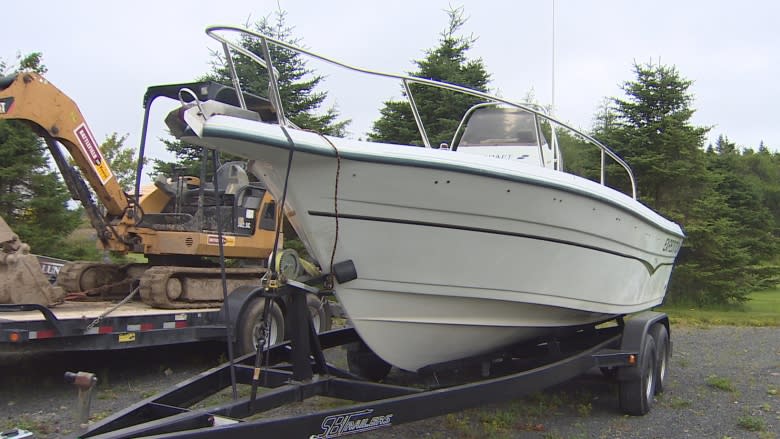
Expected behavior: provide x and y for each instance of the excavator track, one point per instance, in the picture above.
(192, 287)
(84, 276)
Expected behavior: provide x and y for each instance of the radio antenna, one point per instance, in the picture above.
(552, 104)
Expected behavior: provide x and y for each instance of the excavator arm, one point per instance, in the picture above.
(30, 97)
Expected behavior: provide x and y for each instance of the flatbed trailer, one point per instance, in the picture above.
(104, 325)
(78, 326)
(634, 351)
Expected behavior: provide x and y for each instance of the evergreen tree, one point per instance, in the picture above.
(440, 110)
(188, 160)
(297, 83)
(651, 130)
(762, 171)
(122, 160)
(737, 229)
(33, 198)
(297, 86)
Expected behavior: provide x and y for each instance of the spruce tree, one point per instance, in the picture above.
(297, 83)
(33, 198)
(651, 129)
(440, 110)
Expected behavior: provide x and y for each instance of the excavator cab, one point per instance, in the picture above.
(234, 200)
(241, 209)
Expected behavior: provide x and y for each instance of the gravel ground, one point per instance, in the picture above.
(723, 383)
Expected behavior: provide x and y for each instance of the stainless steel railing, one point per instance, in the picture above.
(219, 33)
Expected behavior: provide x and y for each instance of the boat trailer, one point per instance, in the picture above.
(634, 350)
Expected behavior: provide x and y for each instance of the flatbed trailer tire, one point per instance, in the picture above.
(320, 312)
(636, 395)
(248, 328)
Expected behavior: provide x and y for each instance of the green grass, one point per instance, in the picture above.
(720, 383)
(763, 309)
(751, 423)
(676, 402)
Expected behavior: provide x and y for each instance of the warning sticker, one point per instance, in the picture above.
(127, 337)
(226, 240)
(92, 152)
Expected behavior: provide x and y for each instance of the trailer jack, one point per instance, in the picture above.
(85, 382)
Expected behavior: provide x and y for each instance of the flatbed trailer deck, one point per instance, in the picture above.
(78, 326)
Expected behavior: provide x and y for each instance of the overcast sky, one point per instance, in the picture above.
(104, 54)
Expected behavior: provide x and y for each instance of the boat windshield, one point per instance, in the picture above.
(499, 127)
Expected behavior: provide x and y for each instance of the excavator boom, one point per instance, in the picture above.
(30, 97)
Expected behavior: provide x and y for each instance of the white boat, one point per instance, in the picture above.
(457, 251)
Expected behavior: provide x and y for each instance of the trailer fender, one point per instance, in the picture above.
(234, 306)
(634, 333)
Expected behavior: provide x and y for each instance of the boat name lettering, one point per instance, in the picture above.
(671, 245)
(351, 423)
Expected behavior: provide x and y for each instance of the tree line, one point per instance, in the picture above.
(726, 197)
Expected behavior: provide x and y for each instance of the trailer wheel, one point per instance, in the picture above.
(662, 355)
(320, 315)
(636, 395)
(320, 312)
(249, 326)
(362, 361)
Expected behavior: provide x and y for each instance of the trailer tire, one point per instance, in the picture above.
(249, 325)
(320, 312)
(362, 361)
(636, 395)
(320, 315)
(662, 355)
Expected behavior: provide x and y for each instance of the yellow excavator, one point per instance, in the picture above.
(176, 223)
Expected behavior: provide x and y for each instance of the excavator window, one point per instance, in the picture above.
(268, 221)
(231, 177)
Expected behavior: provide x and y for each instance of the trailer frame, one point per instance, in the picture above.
(296, 370)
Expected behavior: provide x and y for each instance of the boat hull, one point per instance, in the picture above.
(458, 255)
